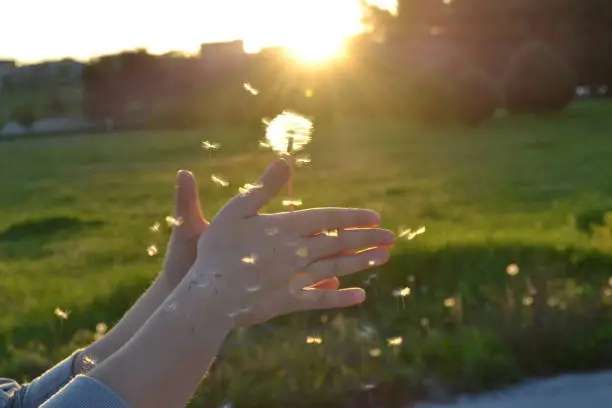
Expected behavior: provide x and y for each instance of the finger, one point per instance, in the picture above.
(329, 284)
(313, 221)
(322, 246)
(187, 205)
(272, 182)
(344, 265)
(316, 299)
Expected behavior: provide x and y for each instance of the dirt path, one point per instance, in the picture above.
(567, 391)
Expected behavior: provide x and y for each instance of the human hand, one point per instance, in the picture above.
(260, 266)
(182, 247)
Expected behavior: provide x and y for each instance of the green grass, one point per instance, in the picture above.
(75, 211)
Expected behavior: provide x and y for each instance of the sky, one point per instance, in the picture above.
(34, 30)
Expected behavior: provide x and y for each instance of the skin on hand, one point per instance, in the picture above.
(265, 265)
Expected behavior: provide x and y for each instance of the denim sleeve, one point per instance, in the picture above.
(58, 388)
(32, 395)
(85, 392)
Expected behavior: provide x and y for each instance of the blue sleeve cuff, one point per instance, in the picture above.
(44, 386)
(85, 392)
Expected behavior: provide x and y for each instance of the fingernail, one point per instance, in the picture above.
(358, 296)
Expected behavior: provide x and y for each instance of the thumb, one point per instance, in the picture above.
(187, 200)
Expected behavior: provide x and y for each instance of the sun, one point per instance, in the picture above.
(312, 31)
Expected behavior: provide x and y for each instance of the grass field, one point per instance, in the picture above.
(75, 212)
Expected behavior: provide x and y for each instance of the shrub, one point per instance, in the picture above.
(538, 81)
(429, 98)
(24, 114)
(476, 96)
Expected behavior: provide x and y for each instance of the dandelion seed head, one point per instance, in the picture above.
(395, 341)
(210, 145)
(247, 188)
(174, 222)
(288, 132)
(314, 340)
(302, 252)
(250, 89)
(330, 233)
(292, 203)
(402, 292)
(527, 300)
(512, 269)
(152, 250)
(375, 352)
(219, 181)
(251, 259)
(62, 314)
(155, 227)
(450, 302)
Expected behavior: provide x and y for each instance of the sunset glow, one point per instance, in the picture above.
(312, 30)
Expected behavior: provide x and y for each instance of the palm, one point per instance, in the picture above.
(182, 248)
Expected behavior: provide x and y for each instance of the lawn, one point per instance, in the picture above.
(75, 212)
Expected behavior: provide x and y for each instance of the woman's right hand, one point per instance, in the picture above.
(259, 266)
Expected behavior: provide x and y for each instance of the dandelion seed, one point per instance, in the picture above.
(371, 263)
(101, 328)
(527, 300)
(366, 332)
(314, 340)
(174, 222)
(370, 278)
(247, 188)
(395, 341)
(253, 289)
(368, 387)
(89, 361)
(512, 269)
(219, 181)
(375, 352)
(152, 250)
(424, 322)
(62, 314)
(330, 233)
(210, 146)
(292, 203)
(409, 234)
(249, 88)
(171, 307)
(238, 312)
(288, 132)
(155, 227)
(402, 292)
(450, 302)
(264, 145)
(250, 259)
(302, 161)
(272, 231)
(302, 252)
